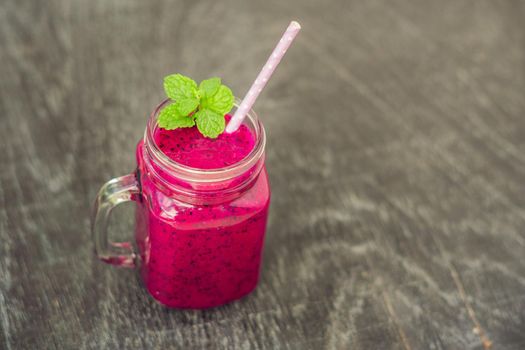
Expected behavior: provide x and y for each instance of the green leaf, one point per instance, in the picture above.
(179, 87)
(209, 123)
(170, 118)
(211, 100)
(186, 105)
(221, 102)
(209, 87)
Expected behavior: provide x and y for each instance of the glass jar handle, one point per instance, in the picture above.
(114, 192)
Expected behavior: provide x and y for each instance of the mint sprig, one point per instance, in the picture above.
(205, 104)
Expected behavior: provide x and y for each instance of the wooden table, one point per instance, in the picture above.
(396, 151)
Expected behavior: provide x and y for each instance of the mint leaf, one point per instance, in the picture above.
(221, 102)
(210, 123)
(204, 105)
(209, 87)
(186, 105)
(179, 87)
(170, 118)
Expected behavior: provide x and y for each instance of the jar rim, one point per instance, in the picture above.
(188, 173)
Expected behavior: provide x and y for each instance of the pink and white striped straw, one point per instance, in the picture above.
(263, 77)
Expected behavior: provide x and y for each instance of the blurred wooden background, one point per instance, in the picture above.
(396, 154)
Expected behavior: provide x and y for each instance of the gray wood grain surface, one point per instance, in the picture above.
(396, 154)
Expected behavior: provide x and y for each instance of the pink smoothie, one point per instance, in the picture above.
(201, 255)
(187, 146)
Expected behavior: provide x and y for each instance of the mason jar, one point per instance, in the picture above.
(199, 232)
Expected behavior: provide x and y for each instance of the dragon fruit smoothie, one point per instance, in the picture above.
(205, 250)
(201, 192)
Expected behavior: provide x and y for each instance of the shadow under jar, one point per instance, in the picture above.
(199, 232)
